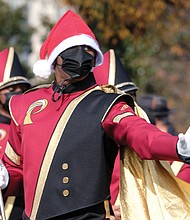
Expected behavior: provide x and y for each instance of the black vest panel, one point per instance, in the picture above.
(90, 156)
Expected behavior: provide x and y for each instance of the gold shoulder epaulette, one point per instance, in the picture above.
(107, 88)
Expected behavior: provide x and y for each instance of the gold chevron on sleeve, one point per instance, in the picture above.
(12, 155)
(118, 118)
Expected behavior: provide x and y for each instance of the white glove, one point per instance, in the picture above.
(183, 144)
(4, 176)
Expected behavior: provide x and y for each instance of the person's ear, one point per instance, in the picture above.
(58, 61)
(54, 63)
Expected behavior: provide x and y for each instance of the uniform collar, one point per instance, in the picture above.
(78, 86)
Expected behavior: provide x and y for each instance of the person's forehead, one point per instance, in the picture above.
(73, 49)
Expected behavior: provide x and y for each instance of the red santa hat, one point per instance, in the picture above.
(69, 31)
(11, 71)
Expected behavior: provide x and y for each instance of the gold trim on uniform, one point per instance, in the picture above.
(13, 79)
(9, 64)
(43, 103)
(107, 209)
(12, 155)
(124, 107)
(12, 113)
(125, 84)
(9, 206)
(111, 105)
(118, 118)
(48, 157)
(112, 68)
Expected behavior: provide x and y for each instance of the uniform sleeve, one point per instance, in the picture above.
(114, 186)
(13, 161)
(184, 173)
(126, 128)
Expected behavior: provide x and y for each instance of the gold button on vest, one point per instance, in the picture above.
(65, 179)
(65, 192)
(65, 166)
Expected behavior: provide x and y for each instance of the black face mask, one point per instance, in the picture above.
(77, 62)
(8, 95)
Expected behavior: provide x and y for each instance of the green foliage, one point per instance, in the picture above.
(140, 32)
(15, 32)
(47, 24)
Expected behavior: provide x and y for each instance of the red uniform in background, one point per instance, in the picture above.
(13, 81)
(4, 133)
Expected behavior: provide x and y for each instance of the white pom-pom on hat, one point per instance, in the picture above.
(42, 69)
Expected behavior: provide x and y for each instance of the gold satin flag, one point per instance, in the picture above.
(149, 190)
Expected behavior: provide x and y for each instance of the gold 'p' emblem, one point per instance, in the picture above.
(40, 103)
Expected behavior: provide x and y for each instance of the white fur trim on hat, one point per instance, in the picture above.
(42, 69)
(76, 40)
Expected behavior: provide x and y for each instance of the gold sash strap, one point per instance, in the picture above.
(107, 209)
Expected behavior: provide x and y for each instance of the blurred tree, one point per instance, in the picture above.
(140, 32)
(15, 32)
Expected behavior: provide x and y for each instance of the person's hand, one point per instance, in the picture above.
(117, 212)
(183, 144)
(4, 176)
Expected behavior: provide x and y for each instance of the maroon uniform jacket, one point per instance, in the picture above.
(64, 150)
(4, 133)
(14, 213)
